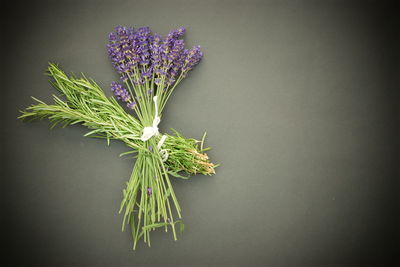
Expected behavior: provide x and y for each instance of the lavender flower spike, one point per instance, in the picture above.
(131, 105)
(193, 58)
(120, 92)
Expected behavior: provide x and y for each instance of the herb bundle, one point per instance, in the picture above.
(150, 67)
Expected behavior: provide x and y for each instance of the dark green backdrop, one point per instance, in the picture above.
(297, 100)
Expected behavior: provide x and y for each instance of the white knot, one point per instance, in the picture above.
(150, 131)
(164, 155)
(163, 152)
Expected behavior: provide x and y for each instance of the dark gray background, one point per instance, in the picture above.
(298, 101)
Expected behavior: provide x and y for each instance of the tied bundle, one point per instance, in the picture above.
(150, 67)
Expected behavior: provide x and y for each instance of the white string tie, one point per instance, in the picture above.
(163, 152)
(150, 131)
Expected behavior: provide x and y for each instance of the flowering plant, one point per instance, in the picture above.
(150, 67)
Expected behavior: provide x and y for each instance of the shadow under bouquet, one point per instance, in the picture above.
(150, 67)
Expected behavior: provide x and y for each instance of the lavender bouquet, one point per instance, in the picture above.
(150, 67)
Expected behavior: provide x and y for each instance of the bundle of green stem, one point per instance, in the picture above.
(149, 201)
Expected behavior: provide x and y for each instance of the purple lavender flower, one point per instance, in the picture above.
(146, 74)
(120, 92)
(149, 191)
(131, 105)
(157, 81)
(155, 50)
(121, 50)
(174, 35)
(143, 45)
(193, 57)
(176, 50)
(169, 43)
(140, 56)
(178, 32)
